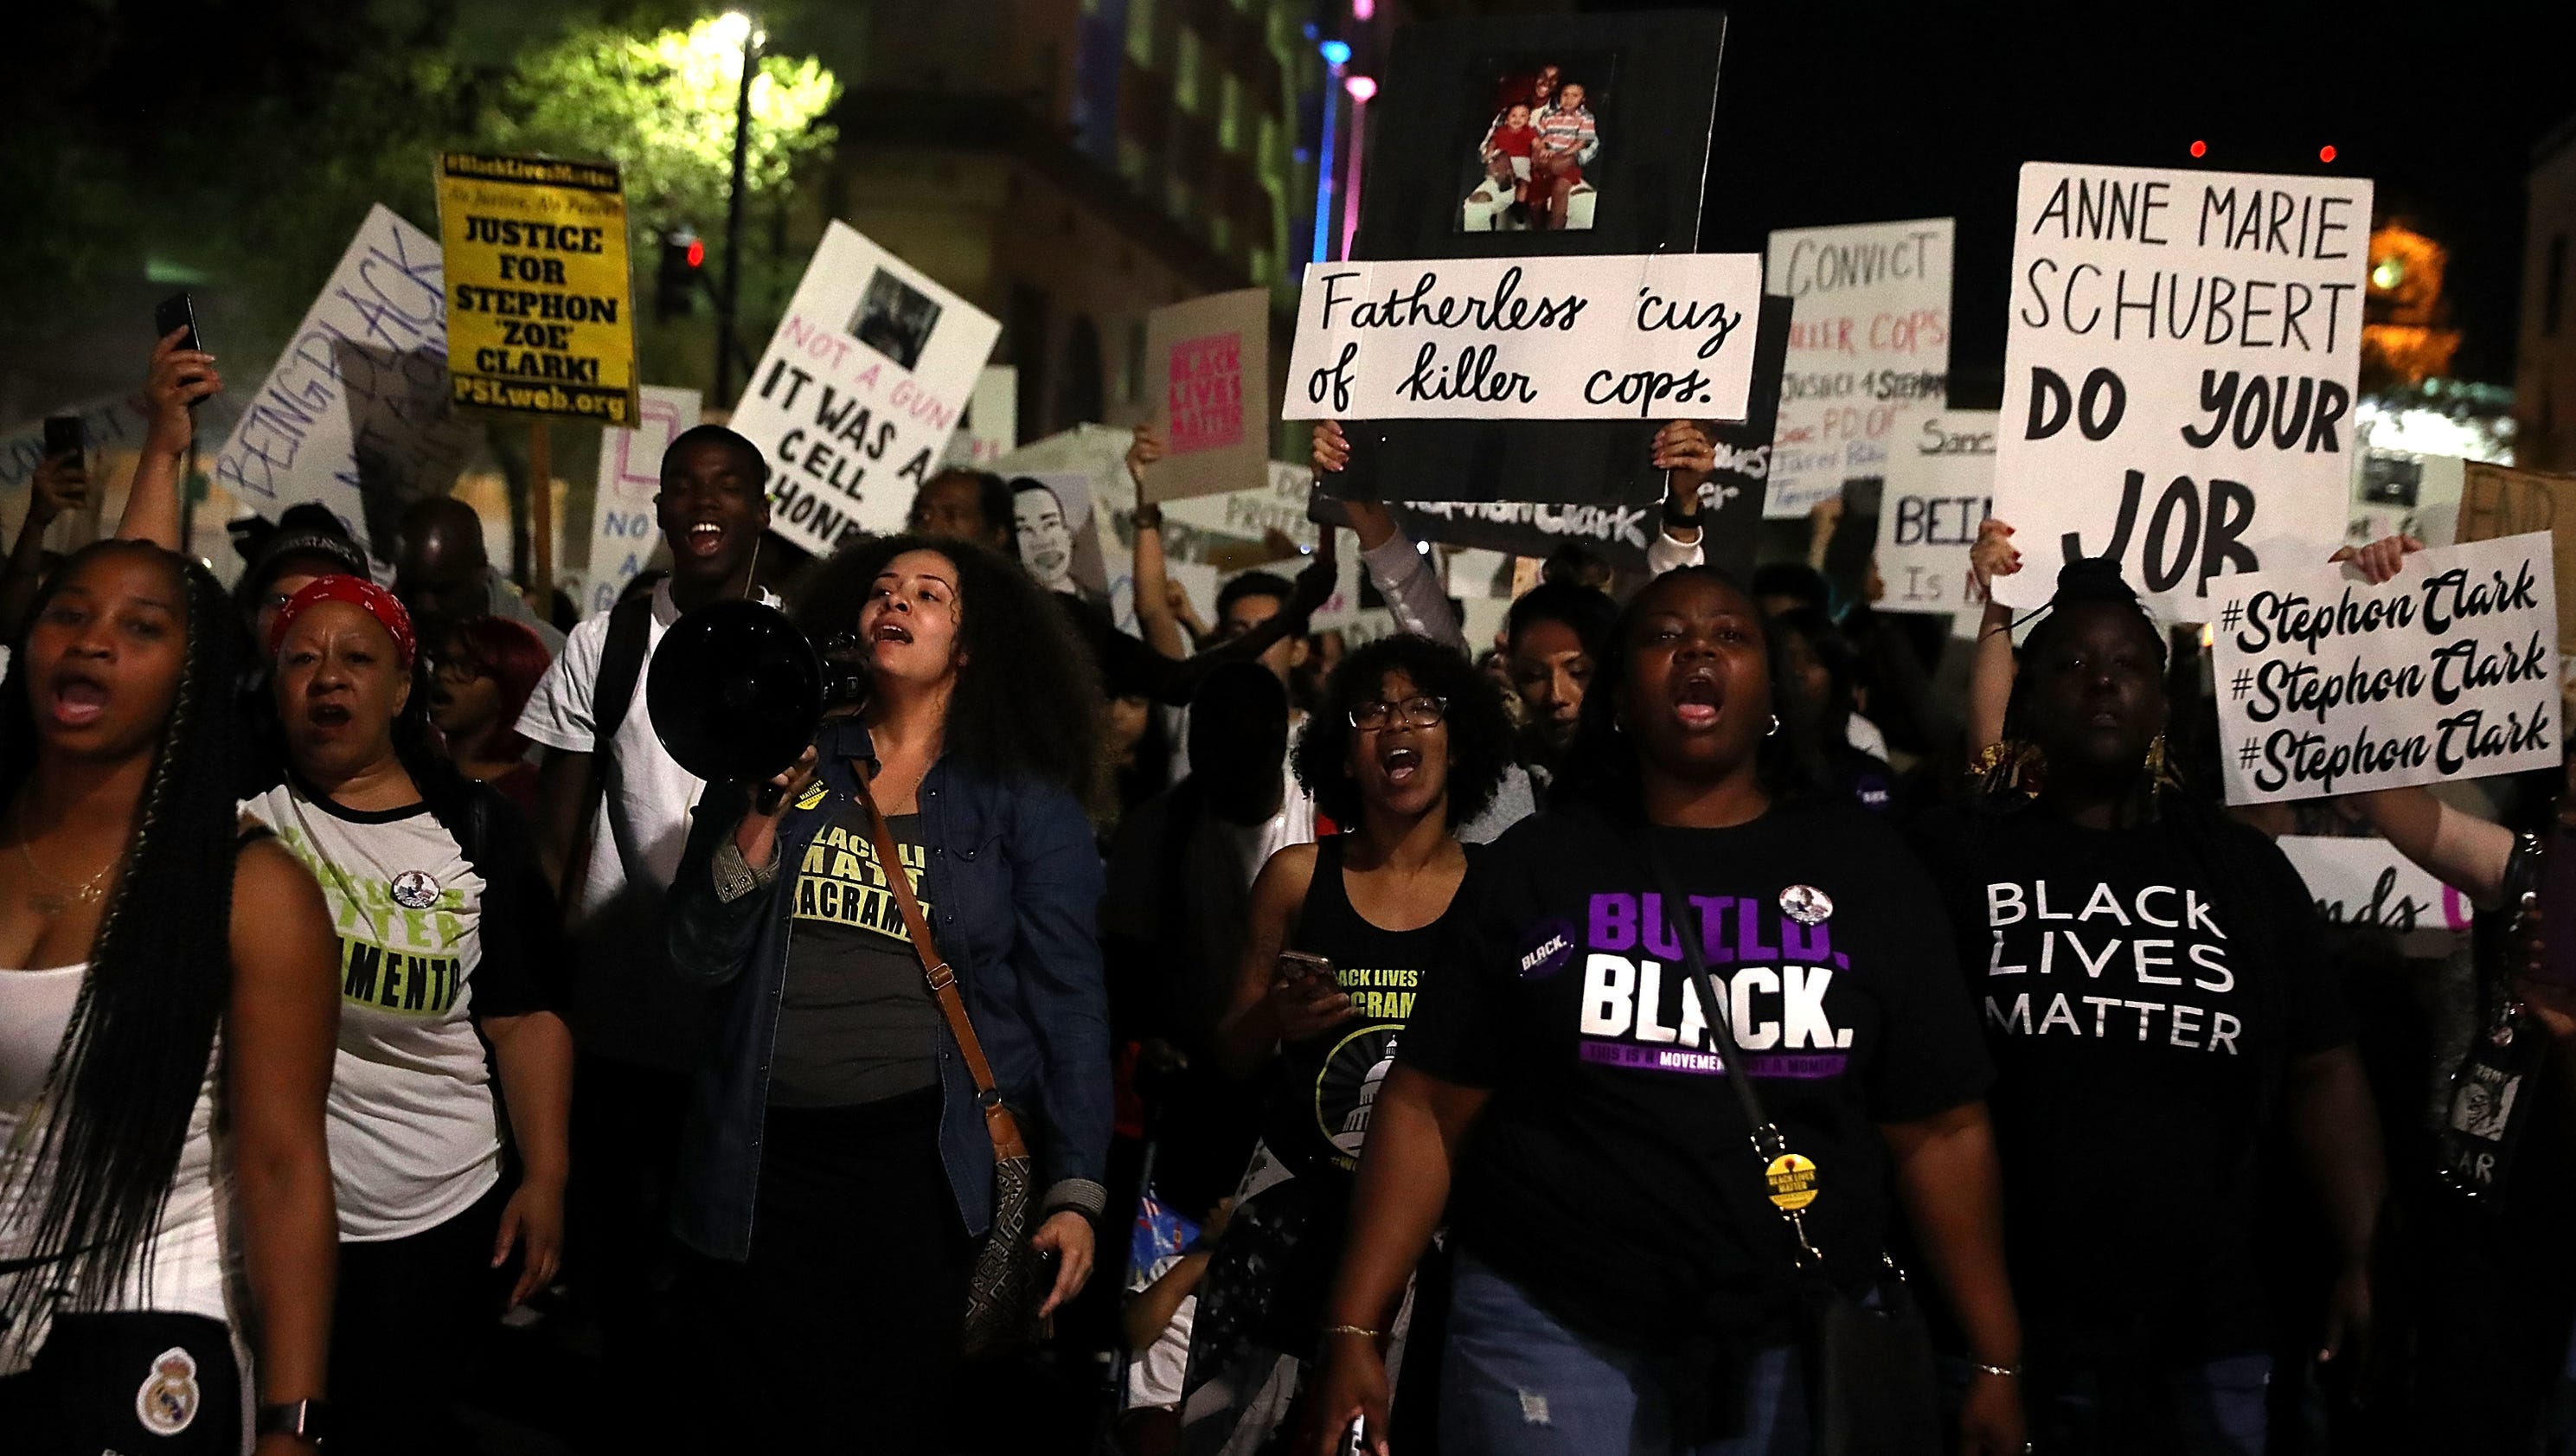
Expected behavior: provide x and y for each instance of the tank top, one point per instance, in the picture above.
(183, 1270)
(1319, 1110)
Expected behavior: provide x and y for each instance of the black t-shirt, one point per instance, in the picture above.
(2143, 991)
(855, 1022)
(1610, 1175)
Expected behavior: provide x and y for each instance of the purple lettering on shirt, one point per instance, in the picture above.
(1658, 930)
(1614, 922)
(1712, 927)
(1748, 937)
(1794, 944)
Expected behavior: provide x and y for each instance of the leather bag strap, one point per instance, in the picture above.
(942, 980)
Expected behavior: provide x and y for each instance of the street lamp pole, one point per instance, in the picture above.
(727, 292)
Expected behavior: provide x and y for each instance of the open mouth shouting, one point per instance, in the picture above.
(78, 699)
(1697, 697)
(327, 717)
(890, 629)
(1401, 763)
(703, 540)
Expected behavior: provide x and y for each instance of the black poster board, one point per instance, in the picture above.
(1650, 88)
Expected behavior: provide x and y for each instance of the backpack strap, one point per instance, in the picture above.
(621, 667)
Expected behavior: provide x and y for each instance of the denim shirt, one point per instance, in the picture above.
(1019, 882)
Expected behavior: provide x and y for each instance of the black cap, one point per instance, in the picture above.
(330, 545)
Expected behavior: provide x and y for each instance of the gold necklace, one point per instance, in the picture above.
(85, 893)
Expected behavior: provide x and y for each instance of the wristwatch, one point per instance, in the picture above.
(1674, 516)
(306, 1420)
(1148, 517)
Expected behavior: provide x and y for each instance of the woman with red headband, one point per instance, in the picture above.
(446, 931)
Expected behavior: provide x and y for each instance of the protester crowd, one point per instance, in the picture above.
(1562, 1044)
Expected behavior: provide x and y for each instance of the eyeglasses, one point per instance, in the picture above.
(1424, 711)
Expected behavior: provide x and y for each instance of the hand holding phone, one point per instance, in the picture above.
(175, 314)
(1305, 997)
(181, 377)
(61, 480)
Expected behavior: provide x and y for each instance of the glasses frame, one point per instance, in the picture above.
(1396, 714)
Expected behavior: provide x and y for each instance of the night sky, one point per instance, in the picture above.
(1830, 113)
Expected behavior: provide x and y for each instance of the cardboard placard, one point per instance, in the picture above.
(2498, 500)
(1871, 351)
(1649, 337)
(2329, 685)
(1940, 489)
(1208, 362)
(354, 413)
(1059, 533)
(855, 397)
(990, 428)
(2365, 882)
(541, 308)
(2179, 375)
(624, 527)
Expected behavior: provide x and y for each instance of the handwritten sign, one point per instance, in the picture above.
(2498, 500)
(355, 408)
(624, 527)
(1871, 351)
(1208, 360)
(1940, 488)
(2329, 685)
(854, 400)
(541, 315)
(1638, 338)
(2365, 882)
(2179, 375)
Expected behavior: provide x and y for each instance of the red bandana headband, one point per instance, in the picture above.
(358, 592)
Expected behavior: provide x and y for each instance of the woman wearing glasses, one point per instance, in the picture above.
(1410, 742)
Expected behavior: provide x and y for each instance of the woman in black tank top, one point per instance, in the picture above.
(1410, 741)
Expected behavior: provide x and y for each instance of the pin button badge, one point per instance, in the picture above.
(1806, 904)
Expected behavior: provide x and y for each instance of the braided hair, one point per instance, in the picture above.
(123, 1086)
(2017, 769)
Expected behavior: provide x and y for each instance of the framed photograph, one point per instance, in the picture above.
(894, 318)
(1618, 116)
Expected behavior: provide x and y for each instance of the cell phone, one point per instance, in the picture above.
(176, 312)
(1298, 965)
(1355, 1442)
(65, 435)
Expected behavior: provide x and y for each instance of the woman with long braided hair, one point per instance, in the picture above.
(165, 1046)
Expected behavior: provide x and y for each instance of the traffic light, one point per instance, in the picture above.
(684, 260)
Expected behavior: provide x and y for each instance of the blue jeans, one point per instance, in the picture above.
(1514, 1382)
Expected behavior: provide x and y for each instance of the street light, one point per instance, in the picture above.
(735, 27)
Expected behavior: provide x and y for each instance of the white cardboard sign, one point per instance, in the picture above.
(1660, 336)
(1868, 352)
(1940, 488)
(2179, 375)
(624, 528)
(2329, 685)
(356, 403)
(2365, 881)
(856, 396)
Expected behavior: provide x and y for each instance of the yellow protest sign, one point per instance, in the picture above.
(539, 302)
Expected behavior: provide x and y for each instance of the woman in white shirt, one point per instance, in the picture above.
(446, 928)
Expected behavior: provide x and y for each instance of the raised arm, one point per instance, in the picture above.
(178, 379)
(1395, 563)
(281, 1036)
(1688, 457)
(60, 483)
(1151, 577)
(1265, 1011)
(1990, 672)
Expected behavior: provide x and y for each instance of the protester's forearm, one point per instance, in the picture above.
(290, 1248)
(1412, 589)
(1149, 1311)
(1151, 578)
(1400, 1194)
(2337, 1127)
(152, 503)
(534, 1053)
(1990, 678)
(1946, 1172)
(24, 575)
(2461, 850)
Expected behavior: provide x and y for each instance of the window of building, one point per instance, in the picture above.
(1140, 32)
(2554, 287)
(1229, 113)
(1185, 72)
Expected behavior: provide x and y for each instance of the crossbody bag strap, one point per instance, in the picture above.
(942, 980)
(1786, 1175)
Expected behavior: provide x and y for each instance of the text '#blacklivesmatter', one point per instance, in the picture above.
(1646, 1012)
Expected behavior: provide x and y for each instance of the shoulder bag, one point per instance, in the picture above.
(1010, 1277)
(1868, 1361)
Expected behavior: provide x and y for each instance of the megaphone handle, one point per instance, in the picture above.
(770, 794)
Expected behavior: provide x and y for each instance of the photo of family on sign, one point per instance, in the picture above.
(1544, 131)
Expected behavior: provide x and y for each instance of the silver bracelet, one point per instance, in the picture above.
(2000, 1372)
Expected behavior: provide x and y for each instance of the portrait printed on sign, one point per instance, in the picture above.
(1059, 535)
(1538, 118)
(894, 318)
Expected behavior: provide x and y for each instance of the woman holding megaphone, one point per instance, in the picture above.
(898, 1134)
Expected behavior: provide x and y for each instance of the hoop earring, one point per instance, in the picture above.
(1774, 728)
(2160, 774)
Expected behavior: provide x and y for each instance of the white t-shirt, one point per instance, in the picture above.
(414, 1130)
(636, 837)
(185, 1270)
